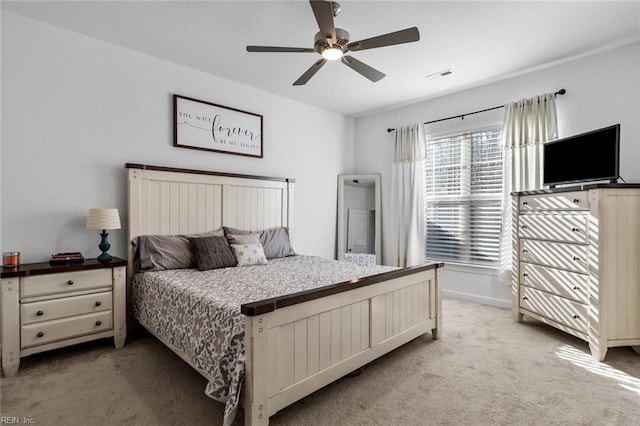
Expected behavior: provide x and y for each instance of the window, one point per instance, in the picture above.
(463, 197)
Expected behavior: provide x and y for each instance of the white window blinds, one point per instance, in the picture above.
(463, 192)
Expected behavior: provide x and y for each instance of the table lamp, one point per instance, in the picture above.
(103, 219)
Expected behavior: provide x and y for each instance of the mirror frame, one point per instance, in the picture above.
(341, 232)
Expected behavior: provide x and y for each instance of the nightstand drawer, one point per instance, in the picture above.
(50, 331)
(39, 285)
(65, 307)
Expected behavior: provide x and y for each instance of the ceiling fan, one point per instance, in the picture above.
(333, 43)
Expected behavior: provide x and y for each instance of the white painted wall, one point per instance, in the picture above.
(602, 89)
(75, 110)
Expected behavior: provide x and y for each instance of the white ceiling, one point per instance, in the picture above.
(481, 41)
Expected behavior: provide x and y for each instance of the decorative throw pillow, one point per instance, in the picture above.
(276, 243)
(160, 252)
(252, 238)
(235, 231)
(249, 254)
(212, 253)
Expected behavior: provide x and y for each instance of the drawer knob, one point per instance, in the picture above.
(575, 287)
(576, 258)
(39, 313)
(576, 316)
(525, 274)
(525, 251)
(98, 322)
(40, 334)
(98, 303)
(523, 226)
(525, 298)
(575, 229)
(70, 282)
(576, 200)
(524, 203)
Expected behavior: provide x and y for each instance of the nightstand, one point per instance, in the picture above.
(47, 307)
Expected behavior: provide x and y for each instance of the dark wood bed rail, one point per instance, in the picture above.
(269, 305)
(203, 172)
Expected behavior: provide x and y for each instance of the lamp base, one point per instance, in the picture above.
(104, 257)
(104, 247)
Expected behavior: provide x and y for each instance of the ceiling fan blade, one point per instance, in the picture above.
(323, 12)
(310, 72)
(364, 69)
(278, 49)
(403, 36)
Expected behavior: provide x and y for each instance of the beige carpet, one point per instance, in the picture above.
(486, 370)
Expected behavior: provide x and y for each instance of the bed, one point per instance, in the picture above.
(323, 319)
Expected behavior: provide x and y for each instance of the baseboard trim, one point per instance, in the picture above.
(483, 300)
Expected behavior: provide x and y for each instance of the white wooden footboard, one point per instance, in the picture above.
(294, 350)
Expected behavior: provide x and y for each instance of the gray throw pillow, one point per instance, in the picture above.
(235, 231)
(161, 252)
(275, 242)
(252, 238)
(212, 253)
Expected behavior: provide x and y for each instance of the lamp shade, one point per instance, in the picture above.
(103, 219)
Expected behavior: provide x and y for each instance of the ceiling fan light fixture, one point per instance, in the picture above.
(332, 43)
(332, 53)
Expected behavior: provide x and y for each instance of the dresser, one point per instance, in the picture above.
(576, 262)
(47, 307)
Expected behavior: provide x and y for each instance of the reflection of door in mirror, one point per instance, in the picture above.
(359, 216)
(360, 231)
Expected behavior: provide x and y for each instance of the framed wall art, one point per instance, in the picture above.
(211, 127)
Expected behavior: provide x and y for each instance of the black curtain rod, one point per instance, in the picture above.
(559, 92)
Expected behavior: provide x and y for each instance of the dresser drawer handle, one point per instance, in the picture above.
(576, 201)
(39, 313)
(98, 303)
(576, 258)
(576, 316)
(40, 334)
(575, 229)
(70, 282)
(525, 274)
(523, 226)
(525, 298)
(98, 322)
(525, 251)
(575, 287)
(525, 203)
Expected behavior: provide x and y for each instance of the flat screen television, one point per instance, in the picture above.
(587, 157)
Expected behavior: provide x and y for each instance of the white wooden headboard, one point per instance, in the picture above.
(171, 201)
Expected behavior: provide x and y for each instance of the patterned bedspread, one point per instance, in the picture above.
(198, 313)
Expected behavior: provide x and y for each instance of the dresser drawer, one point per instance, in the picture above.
(576, 200)
(559, 227)
(560, 255)
(567, 284)
(39, 285)
(60, 329)
(567, 312)
(65, 307)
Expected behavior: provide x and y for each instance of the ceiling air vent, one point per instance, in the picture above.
(440, 74)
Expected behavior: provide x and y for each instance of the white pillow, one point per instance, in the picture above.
(249, 254)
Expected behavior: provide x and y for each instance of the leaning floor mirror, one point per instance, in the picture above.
(359, 219)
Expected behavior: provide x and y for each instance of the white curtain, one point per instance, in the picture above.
(407, 197)
(528, 123)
